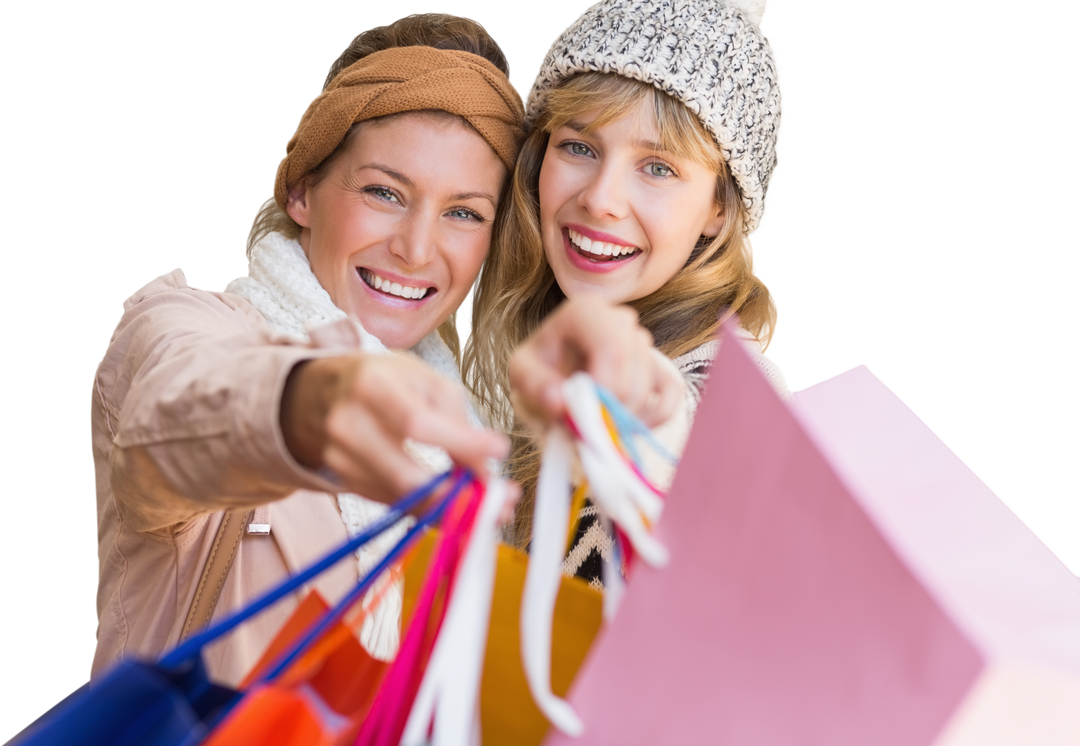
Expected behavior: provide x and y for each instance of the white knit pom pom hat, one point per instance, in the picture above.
(708, 54)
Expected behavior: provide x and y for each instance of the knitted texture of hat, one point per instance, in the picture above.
(402, 79)
(709, 55)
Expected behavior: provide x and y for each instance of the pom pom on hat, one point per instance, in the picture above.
(752, 9)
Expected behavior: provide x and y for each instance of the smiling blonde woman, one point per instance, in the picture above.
(653, 134)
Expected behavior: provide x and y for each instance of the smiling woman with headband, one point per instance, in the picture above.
(235, 432)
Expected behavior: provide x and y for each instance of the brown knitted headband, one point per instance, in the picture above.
(406, 79)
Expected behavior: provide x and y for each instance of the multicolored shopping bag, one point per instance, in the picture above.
(451, 679)
(172, 702)
(460, 652)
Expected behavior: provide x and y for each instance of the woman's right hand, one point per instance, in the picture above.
(353, 414)
(589, 334)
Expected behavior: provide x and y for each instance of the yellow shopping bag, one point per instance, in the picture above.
(507, 712)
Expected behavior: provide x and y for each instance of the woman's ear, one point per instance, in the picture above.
(715, 223)
(297, 204)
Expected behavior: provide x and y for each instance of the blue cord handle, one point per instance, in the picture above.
(629, 425)
(330, 618)
(194, 645)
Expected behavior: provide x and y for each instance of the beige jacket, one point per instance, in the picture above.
(185, 425)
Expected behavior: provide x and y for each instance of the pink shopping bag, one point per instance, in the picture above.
(837, 576)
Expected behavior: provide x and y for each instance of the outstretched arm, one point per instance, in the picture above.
(189, 414)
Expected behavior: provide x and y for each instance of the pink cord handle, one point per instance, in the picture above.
(386, 719)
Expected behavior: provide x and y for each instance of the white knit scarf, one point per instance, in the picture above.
(282, 287)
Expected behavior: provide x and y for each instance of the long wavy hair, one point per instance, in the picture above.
(517, 288)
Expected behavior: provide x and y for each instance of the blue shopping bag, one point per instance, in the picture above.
(136, 703)
(172, 702)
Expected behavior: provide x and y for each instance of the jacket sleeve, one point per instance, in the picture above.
(192, 383)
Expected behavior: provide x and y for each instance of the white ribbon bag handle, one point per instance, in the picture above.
(619, 496)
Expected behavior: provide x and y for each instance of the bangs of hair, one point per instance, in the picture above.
(613, 97)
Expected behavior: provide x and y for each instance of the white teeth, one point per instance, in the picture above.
(392, 288)
(600, 248)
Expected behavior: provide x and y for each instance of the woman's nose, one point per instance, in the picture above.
(415, 243)
(604, 195)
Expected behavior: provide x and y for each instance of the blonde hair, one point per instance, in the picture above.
(517, 288)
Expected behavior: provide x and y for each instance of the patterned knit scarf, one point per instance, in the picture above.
(282, 287)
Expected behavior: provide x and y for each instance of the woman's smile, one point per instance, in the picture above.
(385, 283)
(587, 251)
(599, 245)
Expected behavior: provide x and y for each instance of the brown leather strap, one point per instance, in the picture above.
(218, 564)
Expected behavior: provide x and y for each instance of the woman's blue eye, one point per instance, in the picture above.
(383, 193)
(580, 148)
(466, 214)
(660, 170)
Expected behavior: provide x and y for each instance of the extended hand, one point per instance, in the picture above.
(606, 341)
(354, 413)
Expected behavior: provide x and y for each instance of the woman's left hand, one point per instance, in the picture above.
(604, 340)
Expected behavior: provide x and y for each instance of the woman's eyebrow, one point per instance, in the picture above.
(396, 175)
(650, 145)
(475, 195)
(579, 127)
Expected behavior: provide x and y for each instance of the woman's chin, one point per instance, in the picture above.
(574, 288)
(395, 336)
(398, 323)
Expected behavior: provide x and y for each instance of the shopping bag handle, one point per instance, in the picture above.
(193, 645)
(462, 478)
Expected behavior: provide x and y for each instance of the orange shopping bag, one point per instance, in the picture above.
(320, 701)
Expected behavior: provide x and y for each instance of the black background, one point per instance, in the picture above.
(892, 241)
